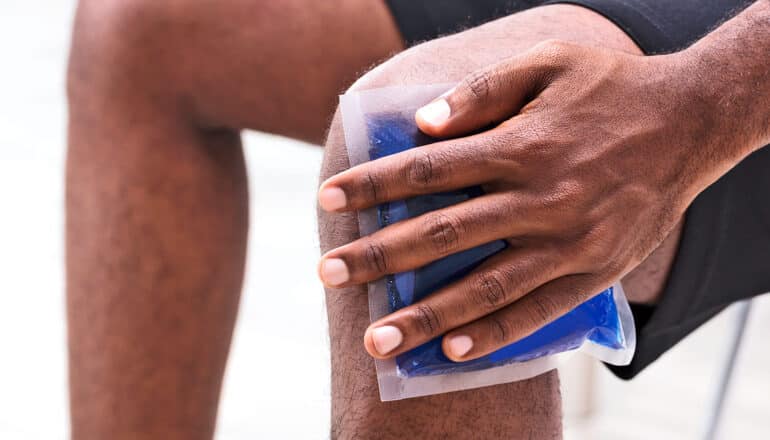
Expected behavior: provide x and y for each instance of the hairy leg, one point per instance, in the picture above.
(528, 409)
(156, 186)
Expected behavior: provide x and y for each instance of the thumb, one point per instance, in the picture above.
(484, 97)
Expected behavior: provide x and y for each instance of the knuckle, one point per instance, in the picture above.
(442, 233)
(421, 170)
(540, 311)
(478, 84)
(376, 257)
(550, 57)
(564, 200)
(555, 48)
(427, 319)
(594, 247)
(500, 330)
(373, 186)
(490, 292)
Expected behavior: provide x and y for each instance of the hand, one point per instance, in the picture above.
(594, 156)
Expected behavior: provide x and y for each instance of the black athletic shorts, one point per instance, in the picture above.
(724, 253)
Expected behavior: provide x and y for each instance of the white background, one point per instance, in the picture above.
(287, 399)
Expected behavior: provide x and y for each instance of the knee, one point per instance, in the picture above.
(413, 66)
(443, 60)
(119, 51)
(450, 58)
(421, 64)
(337, 229)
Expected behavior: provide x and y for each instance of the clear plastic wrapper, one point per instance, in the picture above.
(379, 123)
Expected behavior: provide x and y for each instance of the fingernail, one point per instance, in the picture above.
(334, 272)
(386, 338)
(435, 113)
(332, 199)
(459, 346)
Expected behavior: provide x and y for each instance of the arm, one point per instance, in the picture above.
(732, 65)
(604, 154)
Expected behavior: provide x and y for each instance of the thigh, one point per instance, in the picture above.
(527, 409)
(274, 66)
(278, 66)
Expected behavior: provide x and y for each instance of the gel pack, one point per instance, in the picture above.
(380, 122)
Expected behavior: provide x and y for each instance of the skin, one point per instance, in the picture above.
(527, 409)
(157, 193)
(587, 144)
(157, 202)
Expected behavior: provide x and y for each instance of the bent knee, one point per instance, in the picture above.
(412, 66)
(425, 63)
(444, 60)
(124, 51)
(420, 64)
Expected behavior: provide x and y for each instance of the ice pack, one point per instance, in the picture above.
(378, 123)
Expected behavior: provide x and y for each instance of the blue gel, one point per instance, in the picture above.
(596, 320)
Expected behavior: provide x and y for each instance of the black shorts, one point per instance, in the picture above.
(724, 253)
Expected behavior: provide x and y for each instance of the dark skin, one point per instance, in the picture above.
(588, 144)
(157, 202)
(525, 409)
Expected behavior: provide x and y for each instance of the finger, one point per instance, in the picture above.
(520, 319)
(428, 169)
(415, 242)
(487, 96)
(501, 280)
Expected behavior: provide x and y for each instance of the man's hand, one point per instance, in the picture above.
(605, 152)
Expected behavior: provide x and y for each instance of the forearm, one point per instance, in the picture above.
(731, 71)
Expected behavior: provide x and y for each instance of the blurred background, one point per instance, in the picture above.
(262, 399)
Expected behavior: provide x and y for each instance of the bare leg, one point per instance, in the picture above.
(528, 409)
(156, 186)
(156, 194)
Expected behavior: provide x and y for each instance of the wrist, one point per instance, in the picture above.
(703, 141)
(721, 110)
(732, 69)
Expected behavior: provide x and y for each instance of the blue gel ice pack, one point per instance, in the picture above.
(596, 320)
